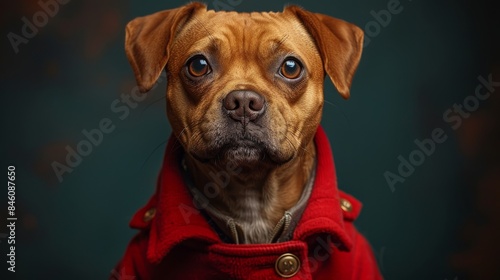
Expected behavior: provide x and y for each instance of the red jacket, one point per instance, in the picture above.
(176, 241)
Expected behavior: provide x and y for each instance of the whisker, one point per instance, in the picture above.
(331, 103)
(152, 103)
(340, 111)
(151, 154)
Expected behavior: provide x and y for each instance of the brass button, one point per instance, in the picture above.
(345, 205)
(149, 215)
(287, 265)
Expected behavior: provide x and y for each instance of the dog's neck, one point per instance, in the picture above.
(256, 198)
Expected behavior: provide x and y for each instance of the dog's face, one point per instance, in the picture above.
(248, 88)
(244, 87)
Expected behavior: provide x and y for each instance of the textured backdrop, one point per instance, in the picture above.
(428, 203)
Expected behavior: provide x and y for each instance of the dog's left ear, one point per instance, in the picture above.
(340, 45)
(148, 40)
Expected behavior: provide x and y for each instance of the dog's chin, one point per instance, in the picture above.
(243, 155)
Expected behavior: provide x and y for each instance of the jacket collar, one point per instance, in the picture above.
(177, 218)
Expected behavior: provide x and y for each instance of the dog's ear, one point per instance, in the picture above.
(148, 40)
(340, 45)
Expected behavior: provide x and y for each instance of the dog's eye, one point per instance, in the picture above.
(198, 66)
(291, 68)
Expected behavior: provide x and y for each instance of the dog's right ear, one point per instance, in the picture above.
(148, 40)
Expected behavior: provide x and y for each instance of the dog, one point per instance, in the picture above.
(248, 187)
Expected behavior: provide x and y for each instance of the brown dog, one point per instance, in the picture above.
(246, 90)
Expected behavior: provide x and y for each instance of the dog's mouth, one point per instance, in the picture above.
(240, 151)
(246, 147)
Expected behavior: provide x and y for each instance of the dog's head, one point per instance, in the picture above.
(244, 87)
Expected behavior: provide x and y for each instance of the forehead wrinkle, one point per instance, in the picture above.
(197, 28)
(197, 37)
(198, 23)
(276, 46)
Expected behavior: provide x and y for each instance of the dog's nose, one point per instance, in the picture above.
(244, 106)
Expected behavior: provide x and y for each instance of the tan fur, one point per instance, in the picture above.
(246, 47)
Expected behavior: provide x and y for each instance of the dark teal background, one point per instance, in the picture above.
(65, 79)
